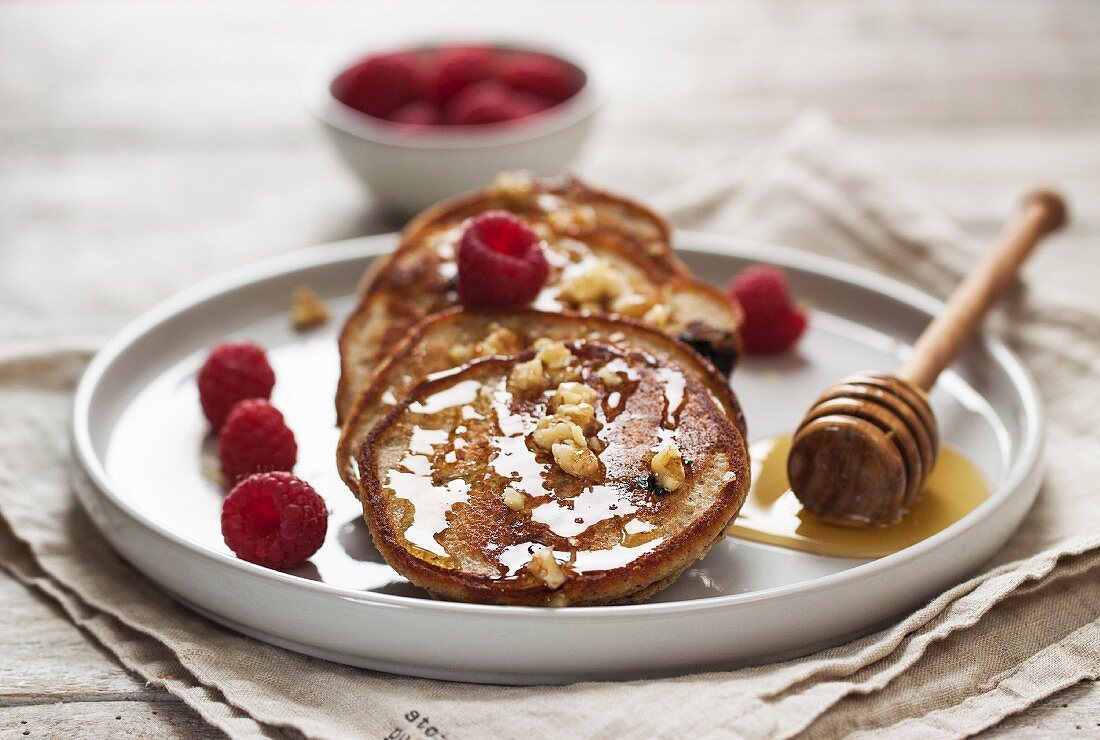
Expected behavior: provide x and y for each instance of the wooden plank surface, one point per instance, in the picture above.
(167, 141)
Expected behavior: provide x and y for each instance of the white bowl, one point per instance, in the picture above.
(409, 172)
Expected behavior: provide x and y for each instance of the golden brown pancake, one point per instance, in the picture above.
(572, 473)
(607, 255)
(456, 336)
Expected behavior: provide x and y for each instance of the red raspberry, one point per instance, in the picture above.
(773, 324)
(458, 67)
(275, 520)
(485, 102)
(541, 75)
(255, 439)
(500, 262)
(381, 84)
(416, 114)
(233, 372)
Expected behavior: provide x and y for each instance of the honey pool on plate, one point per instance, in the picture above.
(772, 515)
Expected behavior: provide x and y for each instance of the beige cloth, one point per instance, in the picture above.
(1027, 627)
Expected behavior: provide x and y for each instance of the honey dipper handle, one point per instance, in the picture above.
(1042, 212)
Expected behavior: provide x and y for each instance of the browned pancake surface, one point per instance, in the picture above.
(457, 335)
(436, 469)
(607, 254)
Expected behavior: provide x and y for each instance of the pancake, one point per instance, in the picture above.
(456, 336)
(607, 255)
(569, 474)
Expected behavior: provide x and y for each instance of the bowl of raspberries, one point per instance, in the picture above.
(420, 122)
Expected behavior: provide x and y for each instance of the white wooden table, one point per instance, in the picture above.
(167, 140)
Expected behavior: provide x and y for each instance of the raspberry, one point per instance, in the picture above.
(485, 102)
(773, 324)
(255, 439)
(233, 372)
(415, 114)
(275, 520)
(458, 67)
(500, 262)
(541, 75)
(381, 84)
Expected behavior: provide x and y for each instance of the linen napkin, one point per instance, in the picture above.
(1027, 627)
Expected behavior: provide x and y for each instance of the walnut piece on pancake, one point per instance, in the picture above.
(307, 310)
(548, 570)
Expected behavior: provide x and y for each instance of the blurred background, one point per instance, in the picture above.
(170, 141)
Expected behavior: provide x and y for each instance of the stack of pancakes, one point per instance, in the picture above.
(582, 450)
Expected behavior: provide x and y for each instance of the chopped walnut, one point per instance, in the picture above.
(585, 216)
(573, 393)
(558, 599)
(561, 219)
(581, 414)
(544, 567)
(632, 305)
(514, 184)
(658, 316)
(513, 499)
(575, 459)
(211, 471)
(528, 376)
(554, 355)
(609, 377)
(460, 353)
(553, 429)
(600, 283)
(668, 466)
(307, 309)
(575, 218)
(500, 341)
(542, 231)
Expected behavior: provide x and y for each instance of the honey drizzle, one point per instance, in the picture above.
(423, 481)
(772, 515)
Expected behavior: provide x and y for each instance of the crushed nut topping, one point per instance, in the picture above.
(211, 471)
(668, 466)
(500, 341)
(575, 218)
(658, 316)
(307, 309)
(514, 184)
(544, 567)
(513, 499)
(573, 393)
(553, 429)
(554, 355)
(585, 216)
(542, 231)
(575, 459)
(632, 305)
(460, 353)
(600, 283)
(609, 377)
(581, 414)
(528, 376)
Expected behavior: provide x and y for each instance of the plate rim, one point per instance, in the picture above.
(1020, 469)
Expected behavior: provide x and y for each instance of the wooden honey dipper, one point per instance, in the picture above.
(865, 448)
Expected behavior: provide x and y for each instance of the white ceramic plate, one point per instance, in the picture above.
(139, 436)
